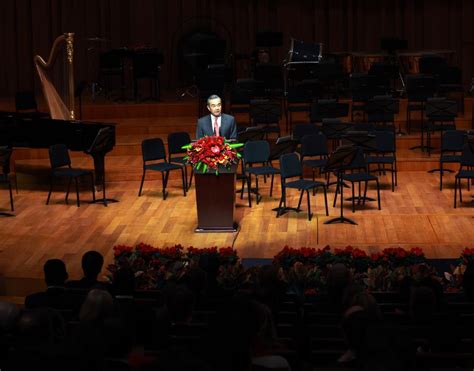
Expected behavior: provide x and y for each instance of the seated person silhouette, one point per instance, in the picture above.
(92, 262)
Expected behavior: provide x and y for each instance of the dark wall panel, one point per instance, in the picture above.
(28, 27)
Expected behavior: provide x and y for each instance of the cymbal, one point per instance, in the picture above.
(97, 39)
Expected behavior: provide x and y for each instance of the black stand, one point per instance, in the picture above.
(100, 146)
(338, 160)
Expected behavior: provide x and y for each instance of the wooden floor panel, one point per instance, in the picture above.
(416, 214)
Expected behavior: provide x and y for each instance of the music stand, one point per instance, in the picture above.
(99, 147)
(342, 157)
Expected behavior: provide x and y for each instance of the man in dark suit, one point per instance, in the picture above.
(92, 262)
(55, 296)
(217, 123)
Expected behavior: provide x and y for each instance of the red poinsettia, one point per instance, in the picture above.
(212, 152)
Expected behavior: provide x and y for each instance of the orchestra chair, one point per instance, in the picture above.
(5, 155)
(441, 114)
(385, 154)
(177, 155)
(466, 171)
(61, 168)
(452, 145)
(290, 167)
(153, 150)
(256, 162)
(314, 153)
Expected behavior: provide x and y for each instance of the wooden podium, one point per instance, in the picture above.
(215, 200)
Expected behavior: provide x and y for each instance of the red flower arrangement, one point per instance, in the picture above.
(467, 255)
(224, 255)
(397, 256)
(212, 152)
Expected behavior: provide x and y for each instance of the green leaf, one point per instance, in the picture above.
(204, 168)
(198, 165)
(239, 155)
(236, 145)
(217, 171)
(187, 146)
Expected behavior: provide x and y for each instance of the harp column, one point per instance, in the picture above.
(70, 59)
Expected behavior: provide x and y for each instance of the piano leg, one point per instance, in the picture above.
(99, 165)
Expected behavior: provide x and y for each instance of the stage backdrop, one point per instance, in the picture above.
(28, 27)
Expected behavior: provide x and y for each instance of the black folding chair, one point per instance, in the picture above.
(290, 167)
(154, 150)
(61, 168)
(5, 155)
(176, 153)
(255, 159)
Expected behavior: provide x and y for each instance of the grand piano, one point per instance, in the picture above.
(27, 131)
(33, 131)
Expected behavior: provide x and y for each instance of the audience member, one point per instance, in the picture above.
(92, 262)
(55, 296)
(338, 279)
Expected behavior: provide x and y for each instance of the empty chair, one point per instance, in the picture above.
(359, 175)
(5, 155)
(176, 154)
(256, 155)
(441, 114)
(418, 89)
(385, 154)
(381, 110)
(153, 150)
(61, 168)
(452, 145)
(290, 167)
(465, 172)
(314, 152)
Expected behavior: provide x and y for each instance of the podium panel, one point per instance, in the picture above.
(215, 201)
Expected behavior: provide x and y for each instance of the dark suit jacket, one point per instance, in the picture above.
(53, 297)
(228, 129)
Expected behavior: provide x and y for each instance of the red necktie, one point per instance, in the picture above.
(216, 127)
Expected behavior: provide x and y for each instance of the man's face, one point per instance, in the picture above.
(215, 107)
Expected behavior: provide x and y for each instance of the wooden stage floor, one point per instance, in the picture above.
(416, 214)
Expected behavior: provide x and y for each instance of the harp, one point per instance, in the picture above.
(53, 74)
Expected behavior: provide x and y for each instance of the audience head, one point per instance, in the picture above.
(98, 306)
(55, 273)
(92, 262)
(9, 314)
(339, 277)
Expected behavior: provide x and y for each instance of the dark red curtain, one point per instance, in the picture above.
(28, 27)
